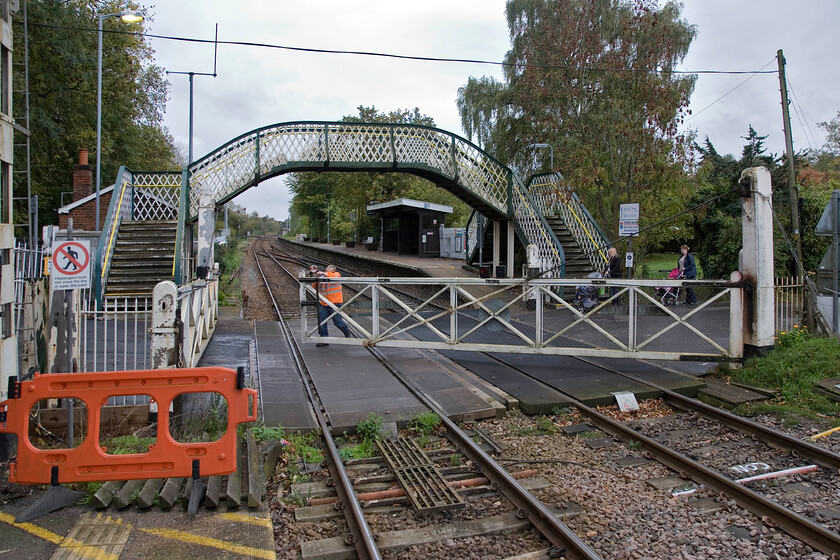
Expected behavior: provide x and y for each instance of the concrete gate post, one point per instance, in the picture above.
(757, 260)
(206, 227)
(164, 330)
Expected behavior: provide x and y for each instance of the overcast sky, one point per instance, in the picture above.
(256, 87)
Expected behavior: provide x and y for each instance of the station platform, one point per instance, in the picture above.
(434, 267)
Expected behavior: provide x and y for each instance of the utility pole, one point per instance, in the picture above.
(794, 193)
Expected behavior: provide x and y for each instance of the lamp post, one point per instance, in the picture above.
(543, 145)
(128, 16)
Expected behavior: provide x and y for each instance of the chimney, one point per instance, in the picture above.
(82, 177)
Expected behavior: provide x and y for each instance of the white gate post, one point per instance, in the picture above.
(163, 330)
(736, 320)
(757, 262)
(206, 227)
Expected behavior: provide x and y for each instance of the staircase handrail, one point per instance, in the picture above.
(553, 199)
(183, 206)
(120, 208)
(534, 229)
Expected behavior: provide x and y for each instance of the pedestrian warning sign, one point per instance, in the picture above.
(71, 266)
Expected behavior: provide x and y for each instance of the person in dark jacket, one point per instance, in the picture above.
(613, 270)
(688, 270)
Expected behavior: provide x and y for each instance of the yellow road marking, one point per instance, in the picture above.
(242, 518)
(32, 529)
(215, 543)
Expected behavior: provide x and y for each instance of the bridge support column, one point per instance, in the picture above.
(757, 260)
(497, 244)
(206, 227)
(509, 259)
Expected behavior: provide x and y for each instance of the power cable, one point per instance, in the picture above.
(392, 55)
(804, 125)
(760, 71)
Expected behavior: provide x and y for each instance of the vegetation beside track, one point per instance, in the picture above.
(798, 362)
(229, 257)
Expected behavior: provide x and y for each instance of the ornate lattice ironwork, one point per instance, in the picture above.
(322, 146)
(532, 225)
(552, 198)
(156, 196)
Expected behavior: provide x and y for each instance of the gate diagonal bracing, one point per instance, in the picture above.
(538, 317)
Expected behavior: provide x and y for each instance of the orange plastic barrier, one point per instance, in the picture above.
(89, 462)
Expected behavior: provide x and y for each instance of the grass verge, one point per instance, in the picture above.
(797, 363)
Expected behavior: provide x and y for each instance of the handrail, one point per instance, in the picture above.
(531, 220)
(553, 198)
(117, 210)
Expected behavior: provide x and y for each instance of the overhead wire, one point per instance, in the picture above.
(390, 55)
(760, 71)
(800, 115)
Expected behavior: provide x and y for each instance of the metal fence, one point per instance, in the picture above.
(115, 337)
(585, 317)
(790, 302)
(28, 262)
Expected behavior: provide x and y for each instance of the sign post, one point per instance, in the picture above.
(628, 226)
(71, 266)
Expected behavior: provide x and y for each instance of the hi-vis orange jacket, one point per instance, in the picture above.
(332, 291)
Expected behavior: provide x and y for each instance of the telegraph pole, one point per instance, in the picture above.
(794, 194)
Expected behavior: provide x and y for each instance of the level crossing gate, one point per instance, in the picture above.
(541, 316)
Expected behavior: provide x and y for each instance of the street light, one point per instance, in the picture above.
(128, 16)
(543, 145)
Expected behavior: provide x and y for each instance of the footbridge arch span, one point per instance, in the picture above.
(446, 159)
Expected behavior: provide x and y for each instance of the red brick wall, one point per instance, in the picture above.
(84, 216)
(82, 181)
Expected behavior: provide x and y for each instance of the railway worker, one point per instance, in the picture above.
(330, 292)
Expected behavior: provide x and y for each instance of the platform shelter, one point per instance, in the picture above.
(410, 227)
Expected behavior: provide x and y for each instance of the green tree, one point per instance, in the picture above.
(63, 82)
(595, 79)
(717, 228)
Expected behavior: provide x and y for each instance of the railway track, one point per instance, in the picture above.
(734, 446)
(526, 506)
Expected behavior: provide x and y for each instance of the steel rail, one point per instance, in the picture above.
(557, 532)
(795, 525)
(815, 453)
(361, 537)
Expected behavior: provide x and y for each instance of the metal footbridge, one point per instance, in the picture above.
(447, 160)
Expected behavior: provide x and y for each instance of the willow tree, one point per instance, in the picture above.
(595, 79)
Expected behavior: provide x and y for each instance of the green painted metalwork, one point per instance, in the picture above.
(449, 161)
(138, 196)
(552, 197)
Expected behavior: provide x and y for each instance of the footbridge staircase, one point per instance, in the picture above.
(449, 161)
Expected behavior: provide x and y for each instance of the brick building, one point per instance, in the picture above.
(83, 207)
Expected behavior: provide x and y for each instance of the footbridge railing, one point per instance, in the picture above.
(138, 196)
(553, 198)
(582, 317)
(446, 159)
